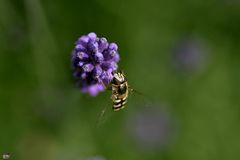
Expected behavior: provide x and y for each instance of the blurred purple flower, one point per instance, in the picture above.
(189, 54)
(151, 127)
(93, 60)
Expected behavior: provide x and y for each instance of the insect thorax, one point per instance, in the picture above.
(119, 85)
(118, 78)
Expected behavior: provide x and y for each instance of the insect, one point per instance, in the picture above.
(120, 90)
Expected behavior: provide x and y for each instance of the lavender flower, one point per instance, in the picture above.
(93, 61)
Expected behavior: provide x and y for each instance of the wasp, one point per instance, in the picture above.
(120, 90)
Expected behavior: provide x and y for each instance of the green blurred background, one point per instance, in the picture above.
(184, 55)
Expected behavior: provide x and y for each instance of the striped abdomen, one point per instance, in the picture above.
(119, 95)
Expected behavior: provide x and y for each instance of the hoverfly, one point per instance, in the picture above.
(120, 90)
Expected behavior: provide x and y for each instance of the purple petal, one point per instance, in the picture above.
(84, 39)
(92, 36)
(109, 54)
(99, 57)
(93, 46)
(106, 65)
(103, 44)
(113, 46)
(88, 67)
(113, 66)
(97, 71)
(82, 55)
(116, 58)
(107, 77)
(112, 53)
(80, 47)
(109, 65)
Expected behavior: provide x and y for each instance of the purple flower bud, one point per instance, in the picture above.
(113, 46)
(92, 36)
(106, 65)
(103, 44)
(116, 58)
(97, 71)
(114, 66)
(99, 57)
(109, 65)
(93, 46)
(109, 54)
(112, 53)
(107, 77)
(80, 47)
(84, 39)
(82, 55)
(88, 67)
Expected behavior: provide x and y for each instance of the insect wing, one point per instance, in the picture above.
(104, 115)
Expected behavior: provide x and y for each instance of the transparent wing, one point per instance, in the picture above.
(140, 97)
(105, 113)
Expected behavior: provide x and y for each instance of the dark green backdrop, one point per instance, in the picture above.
(183, 55)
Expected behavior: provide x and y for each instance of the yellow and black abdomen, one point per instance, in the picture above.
(119, 95)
